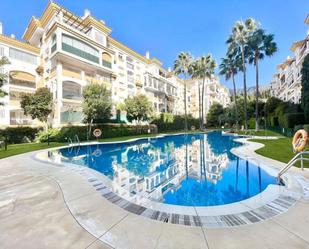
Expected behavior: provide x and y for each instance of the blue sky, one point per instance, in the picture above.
(166, 27)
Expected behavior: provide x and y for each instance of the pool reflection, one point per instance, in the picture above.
(192, 170)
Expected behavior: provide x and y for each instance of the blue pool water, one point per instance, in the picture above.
(189, 170)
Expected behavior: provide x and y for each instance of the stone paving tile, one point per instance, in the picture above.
(134, 232)
(36, 217)
(260, 235)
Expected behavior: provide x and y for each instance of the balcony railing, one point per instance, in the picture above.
(70, 95)
(21, 121)
(23, 83)
(106, 64)
(80, 53)
(53, 48)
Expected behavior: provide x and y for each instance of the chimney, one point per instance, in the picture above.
(147, 55)
(13, 36)
(169, 69)
(1, 28)
(86, 13)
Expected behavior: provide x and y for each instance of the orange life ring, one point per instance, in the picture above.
(300, 140)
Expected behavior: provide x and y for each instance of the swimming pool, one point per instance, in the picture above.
(186, 170)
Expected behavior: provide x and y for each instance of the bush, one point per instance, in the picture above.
(108, 131)
(169, 122)
(251, 123)
(44, 136)
(22, 134)
(289, 120)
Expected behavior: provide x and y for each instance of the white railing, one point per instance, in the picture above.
(296, 158)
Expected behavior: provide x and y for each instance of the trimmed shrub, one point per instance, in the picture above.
(168, 122)
(251, 123)
(22, 134)
(108, 131)
(44, 136)
(289, 120)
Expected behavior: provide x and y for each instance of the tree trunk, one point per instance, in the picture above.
(245, 86)
(256, 94)
(199, 106)
(203, 95)
(235, 101)
(185, 100)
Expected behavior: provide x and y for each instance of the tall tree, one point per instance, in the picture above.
(182, 67)
(237, 43)
(203, 68)
(305, 87)
(38, 105)
(229, 67)
(3, 76)
(138, 108)
(259, 46)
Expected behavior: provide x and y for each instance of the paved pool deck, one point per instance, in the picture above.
(47, 206)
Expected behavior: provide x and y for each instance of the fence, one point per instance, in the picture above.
(288, 132)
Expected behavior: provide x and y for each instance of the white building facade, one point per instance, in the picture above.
(65, 52)
(286, 84)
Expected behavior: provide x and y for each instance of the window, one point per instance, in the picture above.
(99, 37)
(130, 76)
(22, 56)
(120, 57)
(1, 51)
(130, 66)
(79, 48)
(106, 60)
(129, 59)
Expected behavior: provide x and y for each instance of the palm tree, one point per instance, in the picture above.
(182, 67)
(3, 76)
(203, 68)
(237, 42)
(194, 67)
(260, 45)
(229, 67)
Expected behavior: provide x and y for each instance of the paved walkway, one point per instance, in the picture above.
(46, 206)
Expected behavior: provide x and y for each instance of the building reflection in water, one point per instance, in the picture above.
(194, 169)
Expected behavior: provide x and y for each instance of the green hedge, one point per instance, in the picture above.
(251, 123)
(17, 135)
(289, 120)
(108, 131)
(168, 122)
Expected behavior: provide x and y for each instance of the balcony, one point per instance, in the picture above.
(71, 91)
(70, 49)
(71, 74)
(106, 64)
(23, 79)
(53, 48)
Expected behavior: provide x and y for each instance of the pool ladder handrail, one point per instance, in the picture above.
(77, 139)
(296, 158)
(70, 142)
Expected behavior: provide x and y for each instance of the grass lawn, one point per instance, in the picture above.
(262, 133)
(279, 149)
(15, 149)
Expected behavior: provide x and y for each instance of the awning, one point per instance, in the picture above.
(23, 76)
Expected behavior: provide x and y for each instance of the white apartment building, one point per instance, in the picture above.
(286, 83)
(65, 52)
(215, 92)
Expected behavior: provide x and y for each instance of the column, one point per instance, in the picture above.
(59, 93)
